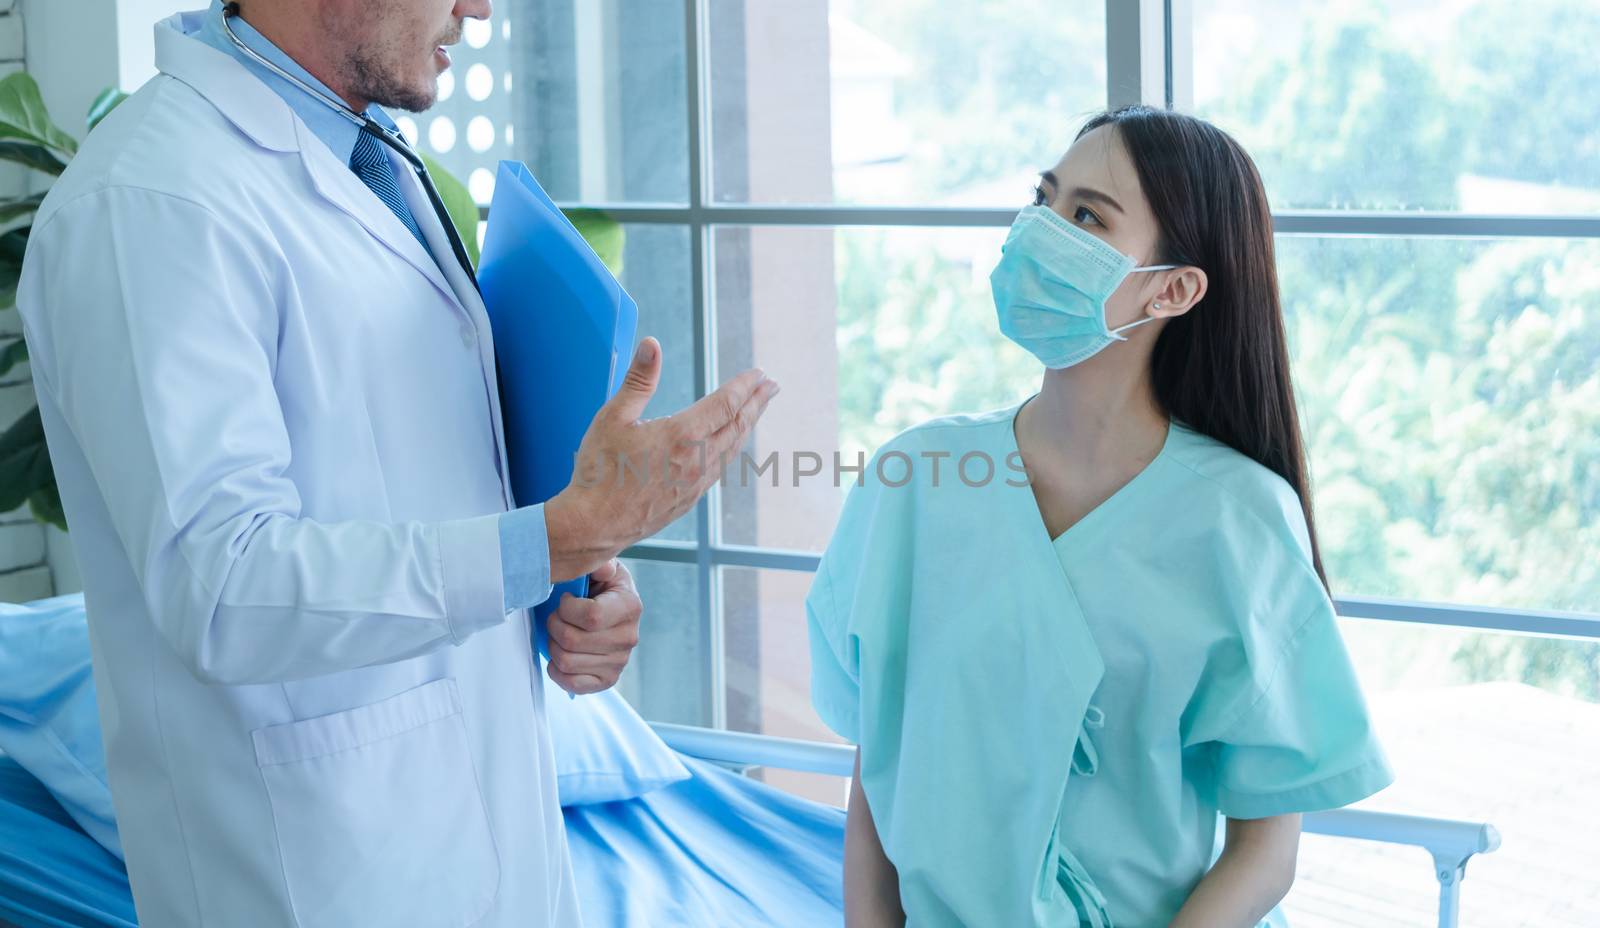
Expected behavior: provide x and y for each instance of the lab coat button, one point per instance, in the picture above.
(469, 338)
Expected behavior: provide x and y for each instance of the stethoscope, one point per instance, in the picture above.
(383, 134)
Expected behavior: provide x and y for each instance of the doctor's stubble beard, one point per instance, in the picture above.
(371, 72)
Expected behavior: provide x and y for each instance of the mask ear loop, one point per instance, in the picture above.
(1116, 333)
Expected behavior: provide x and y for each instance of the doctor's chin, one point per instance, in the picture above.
(737, 464)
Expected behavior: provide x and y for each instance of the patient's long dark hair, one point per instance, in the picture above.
(1222, 368)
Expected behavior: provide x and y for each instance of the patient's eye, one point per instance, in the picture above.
(1086, 216)
(1039, 197)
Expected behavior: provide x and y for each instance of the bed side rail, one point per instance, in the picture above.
(1451, 843)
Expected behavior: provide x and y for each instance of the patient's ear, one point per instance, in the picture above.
(1184, 288)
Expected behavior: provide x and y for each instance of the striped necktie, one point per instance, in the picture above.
(371, 164)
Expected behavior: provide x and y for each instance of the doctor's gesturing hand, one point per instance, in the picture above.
(633, 475)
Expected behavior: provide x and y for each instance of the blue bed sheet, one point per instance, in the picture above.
(718, 849)
(51, 872)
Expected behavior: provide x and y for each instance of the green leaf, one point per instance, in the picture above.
(34, 156)
(13, 354)
(103, 105)
(24, 461)
(458, 201)
(11, 209)
(604, 234)
(23, 115)
(45, 504)
(12, 246)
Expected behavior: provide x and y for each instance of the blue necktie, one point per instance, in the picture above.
(371, 164)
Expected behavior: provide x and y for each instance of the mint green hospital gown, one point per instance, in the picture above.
(1049, 728)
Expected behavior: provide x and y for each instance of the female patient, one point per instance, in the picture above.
(1059, 682)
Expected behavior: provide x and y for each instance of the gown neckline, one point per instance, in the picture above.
(1106, 506)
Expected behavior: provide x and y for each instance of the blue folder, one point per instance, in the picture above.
(563, 334)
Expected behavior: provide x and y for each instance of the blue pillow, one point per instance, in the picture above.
(48, 720)
(604, 751)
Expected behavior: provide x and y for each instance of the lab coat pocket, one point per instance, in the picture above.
(379, 817)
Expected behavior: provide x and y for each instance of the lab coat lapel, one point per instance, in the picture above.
(263, 116)
(340, 186)
(468, 297)
(244, 100)
(465, 291)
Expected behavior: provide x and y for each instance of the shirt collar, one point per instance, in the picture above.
(336, 131)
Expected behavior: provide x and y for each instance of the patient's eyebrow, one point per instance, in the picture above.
(1089, 193)
(1049, 179)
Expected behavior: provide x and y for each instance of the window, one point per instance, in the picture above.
(866, 101)
(820, 187)
(1482, 107)
(1438, 254)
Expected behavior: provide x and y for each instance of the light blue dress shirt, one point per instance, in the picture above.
(524, 541)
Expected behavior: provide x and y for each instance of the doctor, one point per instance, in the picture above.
(269, 392)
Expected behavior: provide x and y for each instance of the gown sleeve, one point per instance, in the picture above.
(835, 668)
(1303, 741)
(836, 648)
(852, 598)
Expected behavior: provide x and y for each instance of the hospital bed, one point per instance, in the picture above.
(1451, 844)
(711, 847)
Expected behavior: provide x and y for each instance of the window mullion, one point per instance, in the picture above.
(1180, 55)
(707, 595)
(1136, 52)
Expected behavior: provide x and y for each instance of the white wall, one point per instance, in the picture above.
(72, 53)
(136, 21)
(76, 48)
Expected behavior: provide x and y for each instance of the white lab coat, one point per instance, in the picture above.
(275, 427)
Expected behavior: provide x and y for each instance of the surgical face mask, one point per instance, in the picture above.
(1051, 287)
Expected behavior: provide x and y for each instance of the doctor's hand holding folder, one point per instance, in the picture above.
(561, 324)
